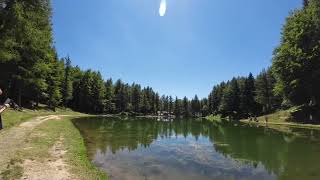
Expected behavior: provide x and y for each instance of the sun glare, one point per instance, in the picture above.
(163, 8)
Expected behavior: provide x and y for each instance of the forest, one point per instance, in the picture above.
(32, 73)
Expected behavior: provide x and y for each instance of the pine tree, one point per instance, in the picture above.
(230, 101)
(109, 97)
(157, 102)
(177, 107)
(85, 103)
(265, 83)
(248, 106)
(185, 105)
(119, 96)
(77, 76)
(136, 97)
(170, 104)
(54, 83)
(67, 83)
(98, 93)
(204, 103)
(195, 106)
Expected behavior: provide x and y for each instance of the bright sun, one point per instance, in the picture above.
(163, 7)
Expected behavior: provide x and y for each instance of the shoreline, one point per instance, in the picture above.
(288, 124)
(42, 144)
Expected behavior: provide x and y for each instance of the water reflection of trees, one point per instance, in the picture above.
(294, 159)
(254, 145)
(118, 134)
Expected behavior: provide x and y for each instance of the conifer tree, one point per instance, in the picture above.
(109, 97)
(177, 107)
(185, 105)
(67, 83)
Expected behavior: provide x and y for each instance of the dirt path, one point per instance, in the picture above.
(15, 139)
(53, 167)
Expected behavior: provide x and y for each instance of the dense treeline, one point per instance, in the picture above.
(243, 97)
(292, 80)
(32, 73)
(88, 92)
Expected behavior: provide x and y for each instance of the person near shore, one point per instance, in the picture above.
(266, 119)
(2, 109)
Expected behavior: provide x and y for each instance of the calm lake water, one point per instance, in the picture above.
(189, 149)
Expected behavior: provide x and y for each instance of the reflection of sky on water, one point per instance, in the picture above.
(176, 157)
(186, 149)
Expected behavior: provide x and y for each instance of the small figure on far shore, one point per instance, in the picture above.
(256, 119)
(266, 119)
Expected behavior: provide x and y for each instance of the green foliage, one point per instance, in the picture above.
(292, 80)
(26, 47)
(230, 102)
(195, 106)
(177, 107)
(265, 96)
(185, 107)
(30, 71)
(296, 63)
(109, 97)
(248, 105)
(67, 83)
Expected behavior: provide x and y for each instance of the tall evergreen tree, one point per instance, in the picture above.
(54, 83)
(177, 107)
(265, 83)
(26, 47)
(204, 103)
(248, 104)
(185, 105)
(170, 104)
(136, 97)
(296, 62)
(195, 105)
(230, 101)
(67, 83)
(77, 75)
(98, 93)
(109, 97)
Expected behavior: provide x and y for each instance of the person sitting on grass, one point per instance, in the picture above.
(3, 108)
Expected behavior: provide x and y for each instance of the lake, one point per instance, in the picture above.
(188, 149)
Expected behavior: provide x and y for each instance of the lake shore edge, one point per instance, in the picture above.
(45, 143)
(276, 120)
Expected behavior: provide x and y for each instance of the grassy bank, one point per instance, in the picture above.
(38, 146)
(280, 118)
(11, 118)
(277, 120)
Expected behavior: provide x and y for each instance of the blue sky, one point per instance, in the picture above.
(197, 44)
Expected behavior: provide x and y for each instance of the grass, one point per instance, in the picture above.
(42, 139)
(13, 171)
(76, 156)
(215, 118)
(280, 118)
(276, 120)
(11, 118)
